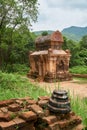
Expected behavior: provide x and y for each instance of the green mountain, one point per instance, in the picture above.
(74, 33)
(40, 32)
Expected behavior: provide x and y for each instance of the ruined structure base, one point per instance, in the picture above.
(50, 78)
(35, 115)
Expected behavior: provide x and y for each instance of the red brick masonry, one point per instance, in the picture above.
(29, 114)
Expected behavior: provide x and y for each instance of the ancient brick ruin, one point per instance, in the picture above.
(29, 114)
(50, 62)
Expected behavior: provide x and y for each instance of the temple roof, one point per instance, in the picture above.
(54, 52)
(55, 36)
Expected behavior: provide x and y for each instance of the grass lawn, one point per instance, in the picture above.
(81, 80)
(17, 86)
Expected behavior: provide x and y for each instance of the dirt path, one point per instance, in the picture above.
(75, 87)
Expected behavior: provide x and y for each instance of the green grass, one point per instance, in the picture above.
(79, 106)
(79, 70)
(16, 86)
(80, 80)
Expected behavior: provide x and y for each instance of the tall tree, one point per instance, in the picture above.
(13, 15)
(17, 12)
(83, 42)
(83, 49)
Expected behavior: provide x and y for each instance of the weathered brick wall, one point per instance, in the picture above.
(80, 75)
(28, 114)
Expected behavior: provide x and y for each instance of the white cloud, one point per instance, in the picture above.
(80, 4)
(59, 14)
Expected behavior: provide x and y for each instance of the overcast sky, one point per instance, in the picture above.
(59, 14)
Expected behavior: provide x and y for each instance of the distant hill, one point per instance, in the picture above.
(40, 32)
(74, 33)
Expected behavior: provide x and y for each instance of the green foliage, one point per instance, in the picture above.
(16, 68)
(83, 42)
(16, 86)
(14, 14)
(65, 44)
(79, 70)
(79, 106)
(40, 32)
(83, 55)
(17, 51)
(15, 37)
(44, 33)
(20, 68)
(78, 52)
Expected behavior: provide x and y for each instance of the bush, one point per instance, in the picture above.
(79, 70)
(17, 68)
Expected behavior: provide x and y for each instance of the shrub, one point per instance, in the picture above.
(17, 68)
(79, 70)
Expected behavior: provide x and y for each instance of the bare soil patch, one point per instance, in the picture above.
(75, 87)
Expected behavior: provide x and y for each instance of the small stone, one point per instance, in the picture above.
(54, 126)
(74, 120)
(37, 109)
(31, 102)
(12, 125)
(43, 103)
(78, 127)
(5, 117)
(4, 109)
(43, 98)
(7, 125)
(6, 102)
(20, 122)
(50, 119)
(20, 102)
(28, 116)
(46, 112)
(14, 107)
(29, 126)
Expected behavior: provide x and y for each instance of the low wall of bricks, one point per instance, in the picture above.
(29, 114)
(80, 75)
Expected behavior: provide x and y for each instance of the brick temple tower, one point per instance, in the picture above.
(50, 62)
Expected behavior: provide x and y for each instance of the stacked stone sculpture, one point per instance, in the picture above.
(59, 102)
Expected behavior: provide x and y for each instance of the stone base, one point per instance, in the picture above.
(59, 77)
(50, 77)
(35, 115)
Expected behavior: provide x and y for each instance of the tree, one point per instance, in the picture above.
(14, 14)
(74, 50)
(44, 33)
(17, 12)
(83, 49)
(83, 42)
(65, 44)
